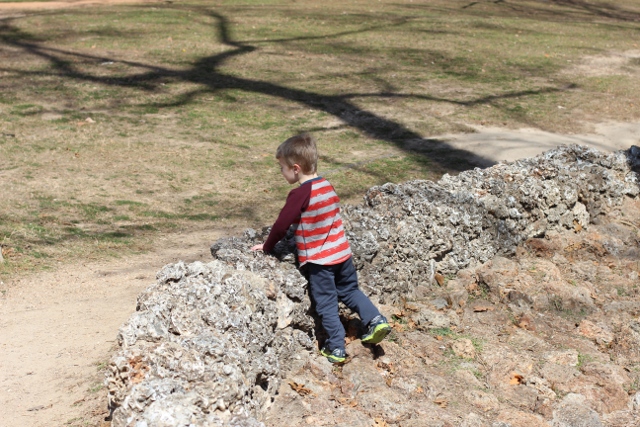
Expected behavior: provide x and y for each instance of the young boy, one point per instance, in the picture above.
(324, 253)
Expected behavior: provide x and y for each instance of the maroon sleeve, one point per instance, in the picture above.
(297, 202)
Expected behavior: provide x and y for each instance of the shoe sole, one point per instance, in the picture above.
(333, 359)
(379, 333)
(336, 360)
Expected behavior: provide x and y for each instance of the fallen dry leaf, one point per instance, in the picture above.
(525, 322)
(516, 379)
(397, 326)
(482, 307)
(300, 388)
(576, 226)
(441, 401)
(439, 278)
(345, 401)
(411, 307)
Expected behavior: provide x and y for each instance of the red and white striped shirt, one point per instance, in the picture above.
(319, 235)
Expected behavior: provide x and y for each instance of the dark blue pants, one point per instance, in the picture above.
(328, 283)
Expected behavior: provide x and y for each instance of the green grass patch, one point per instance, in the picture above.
(26, 109)
(201, 217)
(160, 214)
(128, 203)
(447, 332)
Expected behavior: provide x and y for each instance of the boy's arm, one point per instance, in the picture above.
(297, 202)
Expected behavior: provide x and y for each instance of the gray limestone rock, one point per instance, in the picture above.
(424, 227)
(208, 343)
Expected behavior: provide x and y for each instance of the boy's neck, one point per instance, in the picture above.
(302, 178)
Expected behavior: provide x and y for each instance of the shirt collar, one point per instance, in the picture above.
(311, 180)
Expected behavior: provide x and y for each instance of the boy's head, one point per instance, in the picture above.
(299, 150)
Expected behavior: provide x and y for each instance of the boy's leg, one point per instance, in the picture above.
(346, 280)
(325, 296)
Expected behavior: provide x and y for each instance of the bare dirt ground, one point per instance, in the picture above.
(59, 328)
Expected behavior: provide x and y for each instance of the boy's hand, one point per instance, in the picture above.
(257, 247)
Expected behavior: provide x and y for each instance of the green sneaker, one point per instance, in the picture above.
(338, 355)
(378, 330)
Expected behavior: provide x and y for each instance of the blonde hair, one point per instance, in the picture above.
(301, 150)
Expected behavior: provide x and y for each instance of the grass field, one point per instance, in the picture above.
(121, 122)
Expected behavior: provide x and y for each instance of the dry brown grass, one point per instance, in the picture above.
(164, 118)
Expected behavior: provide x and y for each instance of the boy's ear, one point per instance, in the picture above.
(296, 168)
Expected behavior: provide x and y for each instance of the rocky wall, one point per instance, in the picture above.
(209, 343)
(403, 235)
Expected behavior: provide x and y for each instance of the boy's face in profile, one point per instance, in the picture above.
(289, 173)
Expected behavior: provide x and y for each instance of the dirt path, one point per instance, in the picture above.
(488, 144)
(58, 329)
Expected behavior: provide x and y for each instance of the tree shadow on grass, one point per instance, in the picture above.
(571, 10)
(604, 10)
(206, 73)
